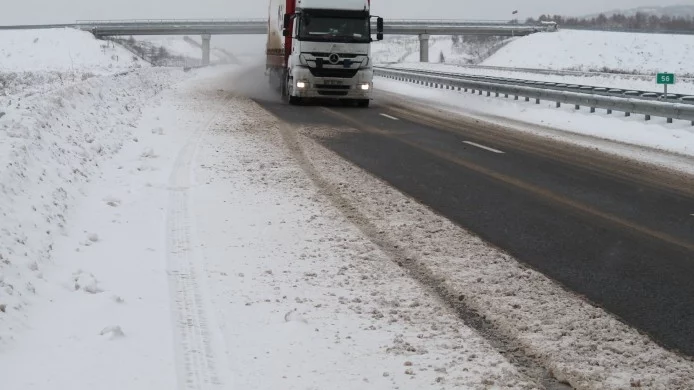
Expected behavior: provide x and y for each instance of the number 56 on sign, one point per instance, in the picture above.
(666, 78)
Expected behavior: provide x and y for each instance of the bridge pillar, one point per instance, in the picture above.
(423, 47)
(206, 49)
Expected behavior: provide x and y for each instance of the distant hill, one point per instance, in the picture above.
(686, 11)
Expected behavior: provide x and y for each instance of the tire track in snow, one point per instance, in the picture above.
(195, 333)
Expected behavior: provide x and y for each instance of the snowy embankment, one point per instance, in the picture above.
(599, 51)
(51, 145)
(35, 61)
(70, 104)
(405, 49)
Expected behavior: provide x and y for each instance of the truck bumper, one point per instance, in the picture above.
(358, 87)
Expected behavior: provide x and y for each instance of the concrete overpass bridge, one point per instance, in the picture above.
(208, 27)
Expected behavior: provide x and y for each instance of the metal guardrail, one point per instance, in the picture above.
(626, 104)
(140, 21)
(630, 30)
(576, 73)
(36, 26)
(598, 90)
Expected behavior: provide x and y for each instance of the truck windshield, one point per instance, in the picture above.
(334, 29)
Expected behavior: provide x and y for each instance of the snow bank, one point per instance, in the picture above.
(596, 50)
(50, 146)
(61, 50)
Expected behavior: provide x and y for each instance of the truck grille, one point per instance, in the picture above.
(342, 55)
(332, 93)
(326, 86)
(334, 72)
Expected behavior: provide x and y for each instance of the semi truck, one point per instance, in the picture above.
(321, 49)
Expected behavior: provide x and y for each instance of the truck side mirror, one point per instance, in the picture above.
(287, 21)
(379, 26)
(379, 36)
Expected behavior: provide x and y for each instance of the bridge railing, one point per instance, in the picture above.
(167, 21)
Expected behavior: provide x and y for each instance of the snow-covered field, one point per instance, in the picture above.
(61, 50)
(599, 51)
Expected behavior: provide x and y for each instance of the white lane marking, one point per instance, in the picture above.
(483, 147)
(390, 117)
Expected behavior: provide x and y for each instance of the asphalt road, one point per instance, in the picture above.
(616, 232)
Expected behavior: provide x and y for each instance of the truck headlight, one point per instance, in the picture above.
(301, 84)
(365, 62)
(365, 86)
(302, 60)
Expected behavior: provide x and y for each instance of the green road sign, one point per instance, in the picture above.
(665, 78)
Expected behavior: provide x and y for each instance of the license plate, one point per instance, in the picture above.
(333, 82)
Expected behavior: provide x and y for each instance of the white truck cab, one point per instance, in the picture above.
(330, 50)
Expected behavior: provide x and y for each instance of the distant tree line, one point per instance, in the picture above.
(638, 22)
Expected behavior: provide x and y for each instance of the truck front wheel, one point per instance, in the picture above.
(364, 103)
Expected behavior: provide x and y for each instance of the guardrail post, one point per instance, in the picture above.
(578, 107)
(516, 98)
(206, 49)
(423, 47)
(480, 92)
(648, 117)
(558, 104)
(527, 99)
(627, 114)
(537, 101)
(497, 94)
(609, 111)
(489, 93)
(669, 120)
(592, 110)
(506, 95)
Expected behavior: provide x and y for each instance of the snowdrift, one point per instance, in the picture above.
(599, 51)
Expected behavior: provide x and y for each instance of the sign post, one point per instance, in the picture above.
(665, 79)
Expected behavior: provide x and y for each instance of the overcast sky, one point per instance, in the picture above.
(65, 11)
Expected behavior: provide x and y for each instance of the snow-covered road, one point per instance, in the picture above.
(199, 254)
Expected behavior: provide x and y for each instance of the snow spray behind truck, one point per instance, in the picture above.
(321, 49)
